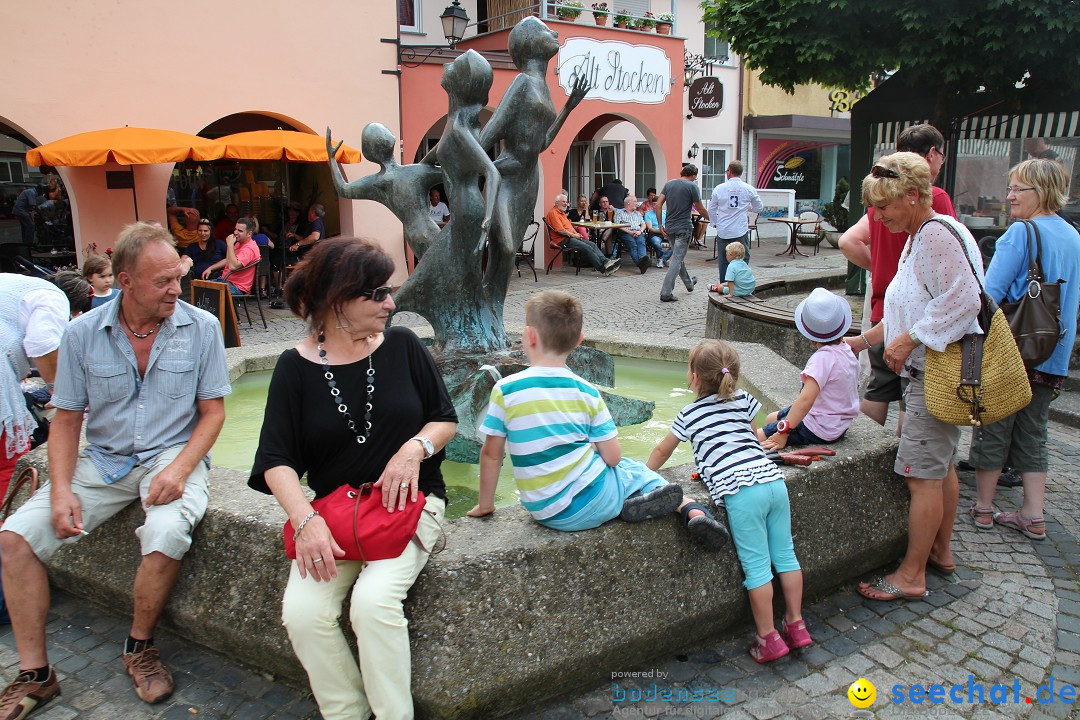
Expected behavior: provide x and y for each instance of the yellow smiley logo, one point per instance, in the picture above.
(862, 693)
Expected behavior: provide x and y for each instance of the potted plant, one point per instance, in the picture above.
(600, 13)
(664, 23)
(647, 22)
(836, 214)
(622, 18)
(569, 10)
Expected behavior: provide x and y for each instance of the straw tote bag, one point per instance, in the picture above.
(1035, 319)
(979, 379)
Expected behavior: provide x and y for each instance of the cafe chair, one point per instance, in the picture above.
(526, 252)
(567, 253)
(249, 296)
(810, 234)
(752, 226)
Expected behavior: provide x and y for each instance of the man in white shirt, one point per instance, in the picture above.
(439, 212)
(729, 206)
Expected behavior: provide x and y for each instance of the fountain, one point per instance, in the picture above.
(511, 613)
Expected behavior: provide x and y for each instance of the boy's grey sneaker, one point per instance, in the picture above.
(658, 503)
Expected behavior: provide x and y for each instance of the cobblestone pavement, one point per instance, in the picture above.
(1010, 613)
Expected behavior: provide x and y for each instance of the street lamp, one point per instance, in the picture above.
(454, 21)
(693, 151)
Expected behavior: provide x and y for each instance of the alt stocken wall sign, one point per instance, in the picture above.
(617, 72)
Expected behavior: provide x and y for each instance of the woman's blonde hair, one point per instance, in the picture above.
(1048, 179)
(717, 366)
(913, 174)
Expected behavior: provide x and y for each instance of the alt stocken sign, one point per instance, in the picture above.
(617, 72)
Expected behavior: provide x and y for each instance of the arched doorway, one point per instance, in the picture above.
(613, 146)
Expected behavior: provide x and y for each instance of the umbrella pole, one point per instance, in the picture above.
(134, 195)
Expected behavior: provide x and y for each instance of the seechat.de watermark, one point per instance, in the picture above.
(862, 693)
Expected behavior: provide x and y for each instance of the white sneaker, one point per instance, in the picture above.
(659, 263)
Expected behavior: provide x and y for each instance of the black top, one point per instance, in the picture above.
(576, 216)
(302, 428)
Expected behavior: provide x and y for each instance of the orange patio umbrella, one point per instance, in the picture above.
(126, 146)
(283, 145)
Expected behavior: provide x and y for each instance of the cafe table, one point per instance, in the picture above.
(793, 223)
(596, 229)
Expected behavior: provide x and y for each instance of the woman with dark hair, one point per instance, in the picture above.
(1037, 190)
(932, 301)
(316, 423)
(205, 251)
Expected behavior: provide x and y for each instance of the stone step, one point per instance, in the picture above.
(1066, 409)
(1072, 382)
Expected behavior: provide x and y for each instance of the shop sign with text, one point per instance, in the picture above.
(617, 71)
(706, 97)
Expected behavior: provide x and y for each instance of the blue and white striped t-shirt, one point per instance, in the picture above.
(550, 418)
(727, 453)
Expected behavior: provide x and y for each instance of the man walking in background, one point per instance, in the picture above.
(680, 195)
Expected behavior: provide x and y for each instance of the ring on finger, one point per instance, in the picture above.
(316, 560)
(403, 486)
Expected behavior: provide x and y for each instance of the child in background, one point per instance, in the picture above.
(731, 462)
(563, 444)
(829, 399)
(97, 269)
(739, 280)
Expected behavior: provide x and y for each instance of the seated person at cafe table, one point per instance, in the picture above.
(315, 231)
(205, 251)
(655, 237)
(564, 235)
(580, 214)
(241, 252)
(224, 227)
(606, 238)
(183, 224)
(633, 235)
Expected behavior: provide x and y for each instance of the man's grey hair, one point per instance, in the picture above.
(560, 195)
(320, 211)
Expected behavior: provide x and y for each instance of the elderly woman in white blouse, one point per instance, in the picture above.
(932, 301)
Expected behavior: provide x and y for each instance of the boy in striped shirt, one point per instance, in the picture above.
(563, 443)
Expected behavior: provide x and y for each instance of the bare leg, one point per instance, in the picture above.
(761, 606)
(1034, 494)
(941, 551)
(154, 582)
(791, 583)
(986, 487)
(924, 524)
(26, 590)
(876, 411)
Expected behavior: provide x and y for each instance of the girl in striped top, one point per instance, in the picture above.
(732, 463)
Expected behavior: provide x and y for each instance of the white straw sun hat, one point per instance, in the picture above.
(823, 317)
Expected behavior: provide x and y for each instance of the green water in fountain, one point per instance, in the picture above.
(662, 382)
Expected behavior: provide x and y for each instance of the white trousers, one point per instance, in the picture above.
(311, 611)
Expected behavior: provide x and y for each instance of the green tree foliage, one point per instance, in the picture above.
(955, 46)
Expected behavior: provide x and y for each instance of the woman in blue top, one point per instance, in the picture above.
(1037, 190)
(206, 251)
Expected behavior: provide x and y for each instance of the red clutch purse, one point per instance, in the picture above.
(361, 525)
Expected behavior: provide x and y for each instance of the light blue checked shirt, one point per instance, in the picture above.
(132, 420)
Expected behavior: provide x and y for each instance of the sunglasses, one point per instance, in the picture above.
(378, 294)
(883, 172)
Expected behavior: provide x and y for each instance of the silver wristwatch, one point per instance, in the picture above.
(429, 449)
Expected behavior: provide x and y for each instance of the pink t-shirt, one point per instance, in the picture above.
(246, 254)
(836, 371)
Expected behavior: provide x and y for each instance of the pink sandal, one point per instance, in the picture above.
(767, 649)
(1034, 528)
(795, 635)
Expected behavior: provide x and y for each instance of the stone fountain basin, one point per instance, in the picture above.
(512, 613)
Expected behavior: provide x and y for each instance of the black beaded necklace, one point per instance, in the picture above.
(335, 392)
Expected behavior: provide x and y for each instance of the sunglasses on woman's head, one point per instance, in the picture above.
(378, 294)
(879, 171)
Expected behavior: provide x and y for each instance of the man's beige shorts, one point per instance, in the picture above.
(167, 528)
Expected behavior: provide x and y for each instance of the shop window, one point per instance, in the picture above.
(11, 171)
(606, 164)
(409, 15)
(644, 169)
(715, 48)
(713, 170)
